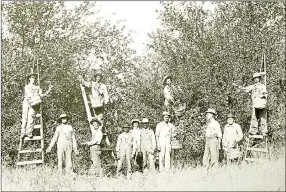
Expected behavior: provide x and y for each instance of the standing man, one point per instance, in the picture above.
(136, 134)
(124, 149)
(164, 131)
(213, 140)
(95, 147)
(66, 143)
(168, 94)
(259, 99)
(232, 134)
(148, 145)
(99, 96)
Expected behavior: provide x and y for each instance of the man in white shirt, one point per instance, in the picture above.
(163, 135)
(259, 96)
(213, 140)
(232, 133)
(148, 145)
(95, 146)
(136, 134)
(66, 143)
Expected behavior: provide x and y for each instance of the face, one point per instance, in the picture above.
(98, 78)
(209, 116)
(64, 120)
(166, 118)
(230, 121)
(95, 125)
(125, 129)
(136, 125)
(144, 125)
(32, 79)
(256, 79)
(168, 81)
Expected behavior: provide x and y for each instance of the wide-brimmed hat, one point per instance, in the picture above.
(135, 120)
(95, 119)
(165, 78)
(63, 116)
(211, 111)
(166, 113)
(256, 75)
(145, 120)
(230, 115)
(126, 125)
(31, 74)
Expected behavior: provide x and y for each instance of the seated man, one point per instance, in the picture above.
(232, 134)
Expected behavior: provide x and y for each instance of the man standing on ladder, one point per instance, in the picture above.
(31, 105)
(99, 96)
(259, 99)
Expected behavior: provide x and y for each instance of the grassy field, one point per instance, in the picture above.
(265, 176)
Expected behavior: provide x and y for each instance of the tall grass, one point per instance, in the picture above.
(264, 176)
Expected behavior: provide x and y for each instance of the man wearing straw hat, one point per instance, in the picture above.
(163, 135)
(95, 146)
(259, 99)
(232, 134)
(66, 143)
(148, 145)
(213, 140)
(123, 149)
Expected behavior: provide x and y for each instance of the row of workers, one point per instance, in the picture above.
(142, 139)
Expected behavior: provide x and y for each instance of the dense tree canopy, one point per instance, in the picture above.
(204, 51)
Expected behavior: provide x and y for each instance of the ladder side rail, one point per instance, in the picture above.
(86, 103)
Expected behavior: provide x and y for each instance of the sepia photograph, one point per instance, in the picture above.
(143, 95)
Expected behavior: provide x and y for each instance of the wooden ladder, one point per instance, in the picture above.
(263, 139)
(89, 117)
(40, 138)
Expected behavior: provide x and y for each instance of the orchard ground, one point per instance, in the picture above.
(263, 176)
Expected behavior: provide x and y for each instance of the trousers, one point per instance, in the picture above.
(211, 153)
(28, 118)
(164, 156)
(64, 150)
(258, 116)
(124, 153)
(95, 157)
(148, 157)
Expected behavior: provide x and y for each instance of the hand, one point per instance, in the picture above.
(158, 148)
(48, 150)
(76, 151)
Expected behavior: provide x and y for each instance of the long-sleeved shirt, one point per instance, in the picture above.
(164, 132)
(32, 90)
(168, 93)
(136, 134)
(148, 142)
(125, 141)
(64, 134)
(258, 93)
(232, 133)
(99, 92)
(213, 129)
(96, 136)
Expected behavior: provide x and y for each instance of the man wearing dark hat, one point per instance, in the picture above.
(232, 134)
(66, 143)
(213, 140)
(95, 146)
(148, 145)
(259, 100)
(99, 97)
(124, 147)
(163, 135)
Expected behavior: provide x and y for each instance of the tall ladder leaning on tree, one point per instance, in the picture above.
(38, 127)
(261, 146)
(89, 117)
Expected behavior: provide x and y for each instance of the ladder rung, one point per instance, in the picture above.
(38, 126)
(258, 149)
(34, 138)
(107, 149)
(253, 159)
(30, 151)
(30, 162)
(256, 136)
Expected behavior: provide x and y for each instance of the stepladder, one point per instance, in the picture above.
(31, 150)
(257, 146)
